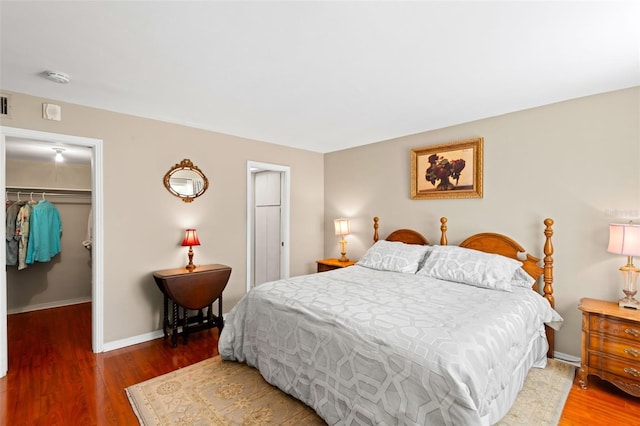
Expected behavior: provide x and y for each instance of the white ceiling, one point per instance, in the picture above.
(321, 76)
(23, 149)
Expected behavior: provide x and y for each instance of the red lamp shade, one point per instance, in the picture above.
(191, 238)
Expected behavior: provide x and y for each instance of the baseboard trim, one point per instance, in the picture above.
(48, 305)
(134, 340)
(567, 358)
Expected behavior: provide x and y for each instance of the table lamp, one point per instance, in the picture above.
(342, 227)
(190, 239)
(624, 239)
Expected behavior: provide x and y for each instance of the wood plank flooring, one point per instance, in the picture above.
(55, 379)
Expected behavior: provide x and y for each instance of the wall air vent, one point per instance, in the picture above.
(4, 106)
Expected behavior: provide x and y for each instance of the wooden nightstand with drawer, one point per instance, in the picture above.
(610, 344)
(331, 264)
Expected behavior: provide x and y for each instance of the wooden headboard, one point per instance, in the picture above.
(490, 242)
(407, 236)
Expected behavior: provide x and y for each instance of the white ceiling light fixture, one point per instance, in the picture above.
(59, 157)
(57, 77)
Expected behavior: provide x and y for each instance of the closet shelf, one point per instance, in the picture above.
(62, 195)
(47, 190)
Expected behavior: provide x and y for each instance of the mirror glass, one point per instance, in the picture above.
(186, 181)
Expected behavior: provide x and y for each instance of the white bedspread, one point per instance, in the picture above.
(362, 346)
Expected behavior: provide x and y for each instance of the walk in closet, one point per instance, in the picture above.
(66, 277)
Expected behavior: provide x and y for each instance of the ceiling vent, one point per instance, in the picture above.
(4, 106)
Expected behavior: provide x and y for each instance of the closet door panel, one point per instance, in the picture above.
(267, 244)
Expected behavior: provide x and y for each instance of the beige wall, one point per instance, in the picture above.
(574, 162)
(144, 224)
(40, 174)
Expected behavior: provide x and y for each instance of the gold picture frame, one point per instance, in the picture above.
(450, 170)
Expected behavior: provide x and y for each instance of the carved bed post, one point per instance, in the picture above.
(548, 263)
(375, 229)
(548, 279)
(443, 231)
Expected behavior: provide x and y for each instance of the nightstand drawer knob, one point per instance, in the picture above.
(632, 331)
(632, 371)
(632, 352)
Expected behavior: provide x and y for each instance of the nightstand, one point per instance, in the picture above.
(331, 264)
(610, 344)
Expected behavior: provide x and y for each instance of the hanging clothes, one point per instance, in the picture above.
(10, 232)
(22, 231)
(45, 230)
(89, 240)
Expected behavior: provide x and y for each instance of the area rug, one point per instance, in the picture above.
(216, 392)
(541, 400)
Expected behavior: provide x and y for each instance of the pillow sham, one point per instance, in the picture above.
(394, 256)
(468, 266)
(522, 279)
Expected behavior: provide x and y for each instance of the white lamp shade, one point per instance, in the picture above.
(624, 239)
(342, 226)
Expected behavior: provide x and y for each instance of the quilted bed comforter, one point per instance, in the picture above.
(363, 346)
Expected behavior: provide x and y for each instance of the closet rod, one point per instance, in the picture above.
(44, 194)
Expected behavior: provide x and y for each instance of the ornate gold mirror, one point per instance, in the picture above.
(186, 181)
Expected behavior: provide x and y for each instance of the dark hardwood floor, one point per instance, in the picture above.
(55, 379)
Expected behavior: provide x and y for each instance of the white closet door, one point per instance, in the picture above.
(267, 244)
(267, 227)
(267, 189)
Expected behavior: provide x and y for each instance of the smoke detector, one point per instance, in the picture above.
(57, 77)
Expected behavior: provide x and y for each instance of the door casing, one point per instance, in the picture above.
(253, 167)
(97, 248)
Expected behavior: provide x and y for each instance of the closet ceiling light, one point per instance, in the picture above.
(59, 157)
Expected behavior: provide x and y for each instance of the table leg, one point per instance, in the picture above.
(220, 320)
(165, 317)
(185, 326)
(174, 326)
(210, 316)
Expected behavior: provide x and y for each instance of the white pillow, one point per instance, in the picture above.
(394, 256)
(473, 267)
(522, 279)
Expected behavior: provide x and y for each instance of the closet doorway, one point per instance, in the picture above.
(30, 140)
(268, 188)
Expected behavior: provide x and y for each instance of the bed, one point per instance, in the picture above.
(413, 334)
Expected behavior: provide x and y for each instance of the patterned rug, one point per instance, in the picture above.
(216, 392)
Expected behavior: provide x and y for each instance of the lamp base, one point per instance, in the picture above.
(629, 302)
(343, 251)
(190, 266)
(629, 275)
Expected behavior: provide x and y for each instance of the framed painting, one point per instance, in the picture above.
(451, 170)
